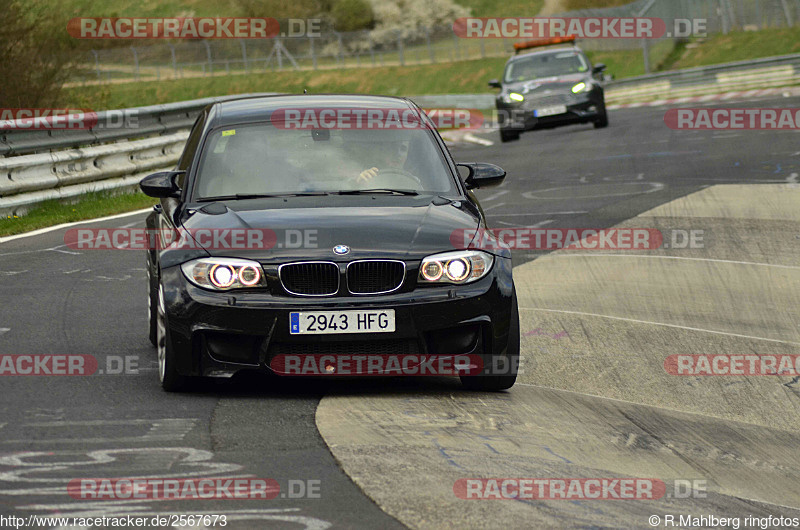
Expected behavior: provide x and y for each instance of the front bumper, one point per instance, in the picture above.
(217, 334)
(583, 109)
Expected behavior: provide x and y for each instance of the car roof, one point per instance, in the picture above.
(259, 108)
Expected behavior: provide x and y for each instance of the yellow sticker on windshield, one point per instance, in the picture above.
(229, 133)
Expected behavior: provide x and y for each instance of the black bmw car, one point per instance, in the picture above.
(549, 88)
(355, 227)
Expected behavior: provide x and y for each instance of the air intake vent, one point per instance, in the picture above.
(375, 276)
(313, 278)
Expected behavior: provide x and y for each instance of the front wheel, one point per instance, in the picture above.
(152, 305)
(602, 118)
(489, 382)
(508, 135)
(171, 380)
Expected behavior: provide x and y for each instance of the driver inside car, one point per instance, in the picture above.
(385, 156)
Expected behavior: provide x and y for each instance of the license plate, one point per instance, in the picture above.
(330, 322)
(550, 111)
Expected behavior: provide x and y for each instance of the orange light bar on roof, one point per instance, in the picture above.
(519, 46)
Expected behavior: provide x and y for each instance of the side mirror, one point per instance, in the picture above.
(161, 185)
(599, 67)
(494, 83)
(482, 175)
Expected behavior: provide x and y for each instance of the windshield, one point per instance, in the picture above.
(262, 159)
(545, 65)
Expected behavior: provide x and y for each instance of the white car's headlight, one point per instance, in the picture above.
(515, 97)
(462, 266)
(581, 87)
(222, 274)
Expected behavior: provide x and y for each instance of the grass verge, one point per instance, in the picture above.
(89, 206)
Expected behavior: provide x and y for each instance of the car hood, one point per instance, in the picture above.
(547, 85)
(393, 227)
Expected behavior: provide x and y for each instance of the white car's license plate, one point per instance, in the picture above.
(328, 322)
(550, 111)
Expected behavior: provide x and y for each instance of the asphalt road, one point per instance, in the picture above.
(375, 464)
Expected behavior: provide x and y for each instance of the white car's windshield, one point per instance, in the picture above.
(545, 65)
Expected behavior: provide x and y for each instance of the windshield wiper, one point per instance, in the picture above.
(240, 196)
(377, 190)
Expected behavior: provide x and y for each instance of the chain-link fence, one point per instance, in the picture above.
(334, 50)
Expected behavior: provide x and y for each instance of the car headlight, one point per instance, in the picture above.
(221, 274)
(458, 267)
(514, 96)
(581, 87)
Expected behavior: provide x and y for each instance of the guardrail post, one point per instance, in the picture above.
(313, 52)
(243, 44)
(210, 61)
(96, 64)
(135, 61)
(787, 13)
(723, 17)
(372, 47)
(759, 19)
(339, 50)
(174, 60)
(430, 48)
(400, 48)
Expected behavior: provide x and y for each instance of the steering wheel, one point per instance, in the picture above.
(387, 178)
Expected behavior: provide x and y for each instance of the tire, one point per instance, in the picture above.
(152, 304)
(602, 119)
(494, 383)
(171, 380)
(507, 135)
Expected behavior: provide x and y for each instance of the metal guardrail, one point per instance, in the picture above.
(46, 164)
(111, 126)
(777, 71)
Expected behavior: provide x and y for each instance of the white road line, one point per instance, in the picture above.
(4, 330)
(541, 213)
(493, 197)
(636, 321)
(678, 257)
(494, 206)
(537, 225)
(469, 137)
(67, 225)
